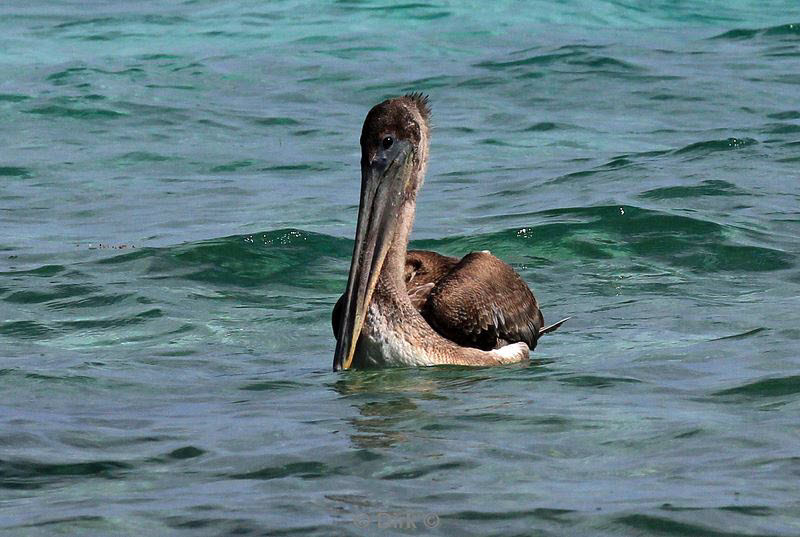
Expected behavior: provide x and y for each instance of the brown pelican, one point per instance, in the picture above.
(414, 308)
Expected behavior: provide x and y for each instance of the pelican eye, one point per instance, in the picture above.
(387, 142)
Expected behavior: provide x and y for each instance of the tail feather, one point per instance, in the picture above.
(553, 327)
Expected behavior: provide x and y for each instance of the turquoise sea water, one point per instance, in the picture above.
(178, 191)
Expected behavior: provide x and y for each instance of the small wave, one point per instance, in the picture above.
(302, 470)
(31, 474)
(12, 98)
(275, 121)
(713, 146)
(58, 291)
(603, 232)
(571, 60)
(791, 30)
(45, 271)
(594, 381)
(545, 126)
(659, 525)
(279, 256)
(712, 187)
(76, 113)
(427, 469)
(771, 387)
(788, 114)
(232, 166)
(14, 171)
(25, 330)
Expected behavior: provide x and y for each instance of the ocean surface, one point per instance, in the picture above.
(178, 192)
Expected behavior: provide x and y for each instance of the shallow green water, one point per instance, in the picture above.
(179, 189)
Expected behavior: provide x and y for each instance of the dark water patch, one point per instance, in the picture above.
(348, 53)
(317, 40)
(157, 19)
(95, 301)
(275, 121)
(76, 113)
(157, 57)
(572, 59)
(60, 77)
(531, 423)
(94, 21)
(25, 330)
(791, 30)
(688, 434)
(714, 146)
(743, 335)
(274, 385)
(655, 525)
(781, 128)
(302, 470)
(545, 126)
(113, 35)
(32, 474)
(308, 132)
(232, 166)
(221, 526)
(73, 523)
(617, 163)
(44, 271)
(53, 293)
(536, 60)
(711, 187)
(791, 53)
(674, 97)
(771, 387)
(542, 513)
(186, 452)
(789, 114)
(84, 77)
(139, 318)
(594, 381)
(786, 79)
(749, 510)
(14, 171)
(185, 87)
(495, 141)
(605, 62)
(421, 471)
(297, 168)
(61, 379)
(141, 156)
(12, 98)
(401, 9)
(709, 256)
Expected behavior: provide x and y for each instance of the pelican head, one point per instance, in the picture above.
(394, 156)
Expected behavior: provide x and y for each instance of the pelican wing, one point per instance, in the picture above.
(478, 301)
(481, 302)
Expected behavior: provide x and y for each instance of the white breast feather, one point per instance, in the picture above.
(382, 345)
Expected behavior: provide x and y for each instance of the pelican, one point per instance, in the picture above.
(418, 308)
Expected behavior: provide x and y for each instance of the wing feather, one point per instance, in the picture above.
(481, 302)
(478, 301)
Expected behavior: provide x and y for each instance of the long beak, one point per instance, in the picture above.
(382, 192)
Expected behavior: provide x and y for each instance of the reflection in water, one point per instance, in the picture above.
(389, 401)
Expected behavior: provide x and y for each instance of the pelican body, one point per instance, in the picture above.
(421, 308)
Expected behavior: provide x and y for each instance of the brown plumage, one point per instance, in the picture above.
(478, 301)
